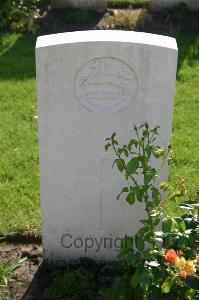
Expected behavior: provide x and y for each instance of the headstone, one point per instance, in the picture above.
(91, 84)
(159, 5)
(97, 5)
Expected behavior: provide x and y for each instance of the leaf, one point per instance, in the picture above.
(167, 285)
(139, 242)
(120, 164)
(145, 222)
(150, 175)
(149, 238)
(149, 150)
(126, 152)
(167, 225)
(107, 146)
(131, 143)
(139, 193)
(144, 230)
(190, 294)
(156, 195)
(127, 242)
(169, 240)
(135, 280)
(132, 165)
(145, 278)
(180, 223)
(130, 198)
(124, 190)
(113, 135)
(182, 242)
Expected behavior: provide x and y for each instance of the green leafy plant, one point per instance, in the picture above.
(20, 16)
(6, 271)
(152, 266)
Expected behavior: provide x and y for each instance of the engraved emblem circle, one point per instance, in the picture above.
(105, 84)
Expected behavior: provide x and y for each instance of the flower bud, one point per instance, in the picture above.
(164, 186)
(171, 257)
(160, 152)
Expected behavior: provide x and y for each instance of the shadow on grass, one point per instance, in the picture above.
(17, 58)
(188, 45)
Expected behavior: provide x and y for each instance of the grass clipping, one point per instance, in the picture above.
(129, 19)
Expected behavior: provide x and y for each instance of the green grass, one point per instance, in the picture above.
(19, 175)
(185, 124)
(19, 171)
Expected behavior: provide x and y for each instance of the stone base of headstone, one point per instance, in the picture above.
(96, 5)
(161, 5)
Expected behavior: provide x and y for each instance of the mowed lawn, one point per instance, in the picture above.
(19, 166)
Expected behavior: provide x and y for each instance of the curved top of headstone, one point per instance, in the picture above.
(106, 36)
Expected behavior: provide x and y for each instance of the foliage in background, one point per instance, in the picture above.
(20, 15)
(79, 16)
(126, 3)
(153, 267)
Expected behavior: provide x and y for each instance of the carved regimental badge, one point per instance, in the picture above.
(105, 84)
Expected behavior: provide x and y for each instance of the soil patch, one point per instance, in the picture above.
(24, 275)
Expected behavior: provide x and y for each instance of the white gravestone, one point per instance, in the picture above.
(90, 84)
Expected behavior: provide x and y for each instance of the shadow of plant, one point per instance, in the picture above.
(17, 59)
